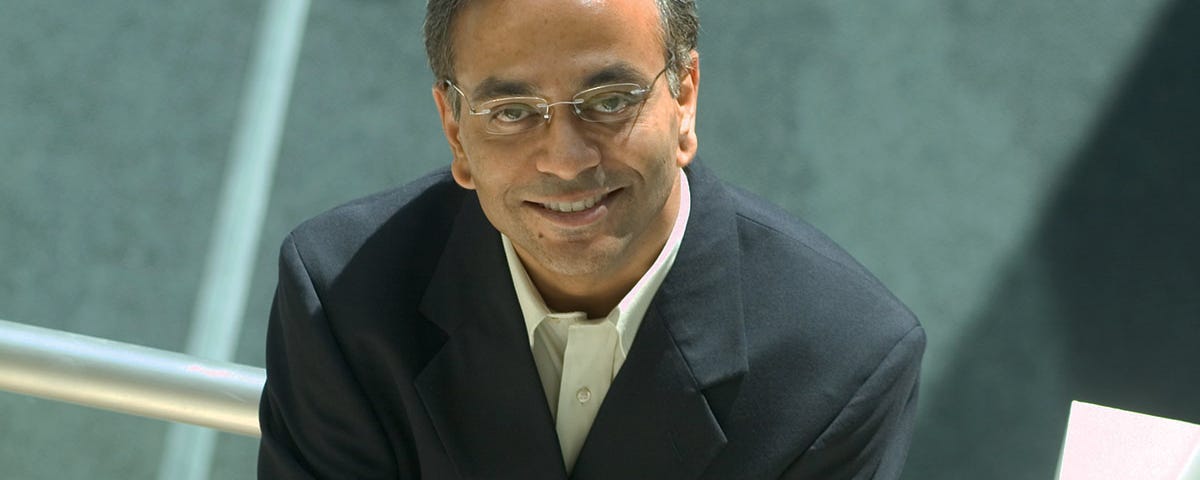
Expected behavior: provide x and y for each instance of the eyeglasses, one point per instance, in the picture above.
(604, 104)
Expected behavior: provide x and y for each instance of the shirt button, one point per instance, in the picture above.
(583, 395)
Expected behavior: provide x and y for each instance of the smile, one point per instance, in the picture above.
(572, 207)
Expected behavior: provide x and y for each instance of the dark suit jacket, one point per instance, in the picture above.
(397, 349)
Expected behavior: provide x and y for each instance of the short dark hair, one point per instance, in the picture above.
(678, 19)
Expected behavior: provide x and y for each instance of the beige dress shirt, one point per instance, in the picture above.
(577, 357)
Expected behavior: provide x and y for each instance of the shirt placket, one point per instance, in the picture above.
(587, 375)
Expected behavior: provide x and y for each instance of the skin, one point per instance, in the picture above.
(584, 261)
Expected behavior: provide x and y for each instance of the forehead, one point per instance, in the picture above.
(547, 41)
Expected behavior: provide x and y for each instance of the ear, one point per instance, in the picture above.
(689, 93)
(459, 167)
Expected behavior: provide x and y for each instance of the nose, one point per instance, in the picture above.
(567, 150)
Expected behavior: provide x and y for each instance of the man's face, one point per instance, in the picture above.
(623, 176)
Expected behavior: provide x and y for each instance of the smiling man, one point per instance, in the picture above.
(586, 190)
(575, 296)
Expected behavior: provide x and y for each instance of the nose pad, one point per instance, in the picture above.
(547, 108)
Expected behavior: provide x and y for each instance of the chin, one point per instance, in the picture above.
(574, 263)
(578, 267)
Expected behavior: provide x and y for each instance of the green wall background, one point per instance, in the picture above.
(1021, 173)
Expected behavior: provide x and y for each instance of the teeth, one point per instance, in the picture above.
(570, 207)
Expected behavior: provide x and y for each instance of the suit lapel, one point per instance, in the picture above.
(481, 390)
(657, 421)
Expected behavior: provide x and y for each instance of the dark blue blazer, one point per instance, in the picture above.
(397, 349)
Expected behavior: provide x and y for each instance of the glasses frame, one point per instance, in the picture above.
(543, 106)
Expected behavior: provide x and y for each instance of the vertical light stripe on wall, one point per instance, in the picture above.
(221, 299)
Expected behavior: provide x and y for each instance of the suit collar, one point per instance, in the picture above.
(700, 300)
(481, 390)
(482, 386)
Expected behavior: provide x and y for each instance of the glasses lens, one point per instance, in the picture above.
(506, 116)
(605, 104)
(610, 103)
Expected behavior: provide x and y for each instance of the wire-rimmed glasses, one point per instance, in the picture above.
(604, 104)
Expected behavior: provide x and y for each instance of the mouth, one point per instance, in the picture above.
(577, 214)
(576, 206)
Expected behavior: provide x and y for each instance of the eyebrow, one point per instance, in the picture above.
(493, 87)
(620, 72)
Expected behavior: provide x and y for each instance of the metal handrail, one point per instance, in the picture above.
(130, 379)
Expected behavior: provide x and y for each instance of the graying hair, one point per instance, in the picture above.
(677, 18)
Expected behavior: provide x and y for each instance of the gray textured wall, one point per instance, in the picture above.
(1022, 173)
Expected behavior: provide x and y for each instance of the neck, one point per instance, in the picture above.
(594, 295)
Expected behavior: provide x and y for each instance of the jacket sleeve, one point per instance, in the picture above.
(869, 438)
(315, 417)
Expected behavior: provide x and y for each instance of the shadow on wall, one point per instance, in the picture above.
(1103, 305)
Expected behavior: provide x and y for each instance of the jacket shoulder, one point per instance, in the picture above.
(405, 218)
(793, 270)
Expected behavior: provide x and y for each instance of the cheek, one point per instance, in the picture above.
(492, 200)
(651, 140)
(492, 182)
(481, 165)
(660, 152)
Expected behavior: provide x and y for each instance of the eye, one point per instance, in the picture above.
(609, 103)
(513, 112)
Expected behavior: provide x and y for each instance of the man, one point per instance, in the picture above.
(576, 296)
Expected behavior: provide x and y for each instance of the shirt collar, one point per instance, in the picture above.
(627, 315)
